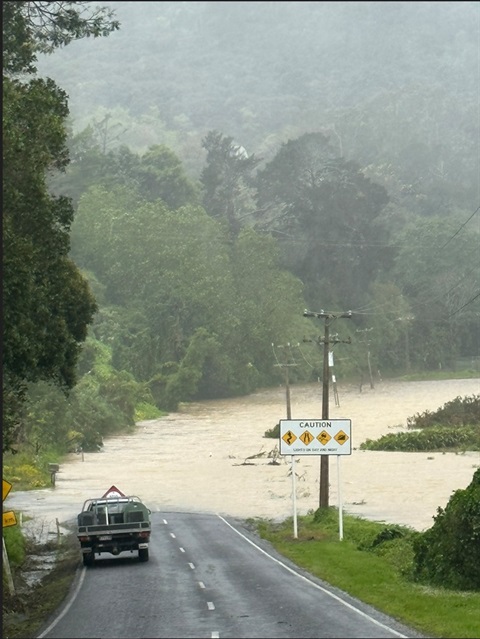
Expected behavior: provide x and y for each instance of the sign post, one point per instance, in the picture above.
(9, 519)
(318, 437)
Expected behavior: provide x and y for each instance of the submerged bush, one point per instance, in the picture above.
(461, 411)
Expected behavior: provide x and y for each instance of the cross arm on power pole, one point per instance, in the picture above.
(326, 315)
(321, 340)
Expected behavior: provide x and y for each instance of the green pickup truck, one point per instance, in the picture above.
(113, 524)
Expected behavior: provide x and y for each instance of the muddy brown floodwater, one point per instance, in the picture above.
(194, 460)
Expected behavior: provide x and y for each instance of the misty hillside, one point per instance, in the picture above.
(388, 82)
(227, 166)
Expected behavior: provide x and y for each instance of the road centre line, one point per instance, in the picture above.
(192, 566)
(201, 584)
(210, 605)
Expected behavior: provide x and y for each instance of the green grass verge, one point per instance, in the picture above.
(373, 563)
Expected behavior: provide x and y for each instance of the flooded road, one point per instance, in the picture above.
(196, 460)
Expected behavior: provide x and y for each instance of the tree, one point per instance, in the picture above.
(269, 301)
(437, 269)
(227, 180)
(157, 174)
(41, 27)
(328, 218)
(160, 175)
(47, 303)
(185, 307)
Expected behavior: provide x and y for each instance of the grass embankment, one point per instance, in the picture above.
(374, 563)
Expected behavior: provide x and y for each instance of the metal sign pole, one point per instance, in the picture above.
(6, 567)
(294, 493)
(340, 505)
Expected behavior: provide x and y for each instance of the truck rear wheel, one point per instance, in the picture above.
(143, 554)
(89, 559)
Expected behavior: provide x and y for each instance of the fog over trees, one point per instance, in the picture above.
(394, 85)
(233, 163)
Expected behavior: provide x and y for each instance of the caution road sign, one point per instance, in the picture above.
(315, 437)
(6, 488)
(113, 491)
(9, 519)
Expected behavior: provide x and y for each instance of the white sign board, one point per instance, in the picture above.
(315, 437)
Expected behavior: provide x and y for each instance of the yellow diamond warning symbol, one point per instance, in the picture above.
(341, 437)
(324, 437)
(306, 437)
(6, 488)
(9, 519)
(289, 437)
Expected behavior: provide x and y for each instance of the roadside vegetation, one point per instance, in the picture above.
(428, 580)
(385, 565)
(26, 610)
(105, 402)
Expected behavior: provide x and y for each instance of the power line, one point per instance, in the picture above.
(466, 304)
(455, 234)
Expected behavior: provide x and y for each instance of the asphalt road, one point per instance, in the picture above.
(209, 576)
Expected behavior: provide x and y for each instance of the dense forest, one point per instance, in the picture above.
(210, 170)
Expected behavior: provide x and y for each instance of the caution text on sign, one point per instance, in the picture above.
(315, 437)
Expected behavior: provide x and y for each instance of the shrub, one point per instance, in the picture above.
(448, 554)
(15, 545)
(273, 433)
(145, 410)
(431, 438)
(458, 412)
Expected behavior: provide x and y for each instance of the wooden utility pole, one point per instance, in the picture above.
(369, 364)
(286, 364)
(324, 462)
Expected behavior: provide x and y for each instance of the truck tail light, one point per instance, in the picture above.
(84, 538)
(144, 535)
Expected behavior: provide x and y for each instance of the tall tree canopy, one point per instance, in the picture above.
(227, 180)
(327, 215)
(47, 303)
(190, 309)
